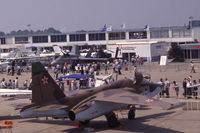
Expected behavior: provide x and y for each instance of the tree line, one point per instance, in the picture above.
(30, 32)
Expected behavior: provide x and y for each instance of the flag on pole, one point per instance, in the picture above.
(109, 28)
(123, 26)
(105, 28)
(146, 27)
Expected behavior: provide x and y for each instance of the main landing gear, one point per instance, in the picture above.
(112, 120)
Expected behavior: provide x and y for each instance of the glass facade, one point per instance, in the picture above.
(195, 23)
(138, 35)
(159, 33)
(191, 53)
(180, 33)
(116, 36)
(40, 39)
(97, 36)
(77, 37)
(195, 53)
(2, 41)
(58, 38)
(21, 40)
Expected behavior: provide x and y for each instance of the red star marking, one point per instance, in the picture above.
(149, 100)
(45, 80)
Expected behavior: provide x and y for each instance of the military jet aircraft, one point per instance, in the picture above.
(49, 100)
(74, 56)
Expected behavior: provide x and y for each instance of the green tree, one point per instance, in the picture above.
(51, 30)
(176, 53)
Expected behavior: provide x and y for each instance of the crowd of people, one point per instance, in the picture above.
(14, 84)
(188, 90)
(97, 68)
(86, 68)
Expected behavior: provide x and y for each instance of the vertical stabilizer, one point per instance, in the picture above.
(75, 50)
(89, 53)
(44, 88)
(117, 52)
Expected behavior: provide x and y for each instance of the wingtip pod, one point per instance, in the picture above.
(44, 88)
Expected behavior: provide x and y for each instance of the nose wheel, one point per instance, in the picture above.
(131, 113)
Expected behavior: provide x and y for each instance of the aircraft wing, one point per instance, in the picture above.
(128, 97)
(14, 92)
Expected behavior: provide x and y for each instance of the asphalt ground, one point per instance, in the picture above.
(152, 120)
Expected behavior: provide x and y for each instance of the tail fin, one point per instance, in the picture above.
(89, 53)
(44, 88)
(75, 50)
(117, 52)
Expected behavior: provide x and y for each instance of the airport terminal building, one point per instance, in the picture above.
(131, 41)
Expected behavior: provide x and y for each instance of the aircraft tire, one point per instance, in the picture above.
(131, 114)
(112, 120)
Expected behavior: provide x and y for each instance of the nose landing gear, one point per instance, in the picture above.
(131, 113)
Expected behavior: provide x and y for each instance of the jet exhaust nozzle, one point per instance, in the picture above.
(72, 115)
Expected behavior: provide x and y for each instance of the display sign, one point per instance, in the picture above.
(163, 60)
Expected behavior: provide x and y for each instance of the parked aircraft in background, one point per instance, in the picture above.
(49, 100)
(31, 54)
(75, 57)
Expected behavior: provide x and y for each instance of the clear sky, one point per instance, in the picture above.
(72, 15)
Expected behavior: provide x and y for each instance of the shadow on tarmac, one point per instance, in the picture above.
(137, 125)
(10, 117)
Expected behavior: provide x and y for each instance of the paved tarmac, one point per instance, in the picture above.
(153, 120)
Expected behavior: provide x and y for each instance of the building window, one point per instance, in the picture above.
(181, 33)
(40, 39)
(186, 54)
(116, 35)
(58, 38)
(138, 35)
(77, 37)
(2, 41)
(194, 53)
(159, 34)
(158, 47)
(21, 40)
(97, 36)
(195, 23)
